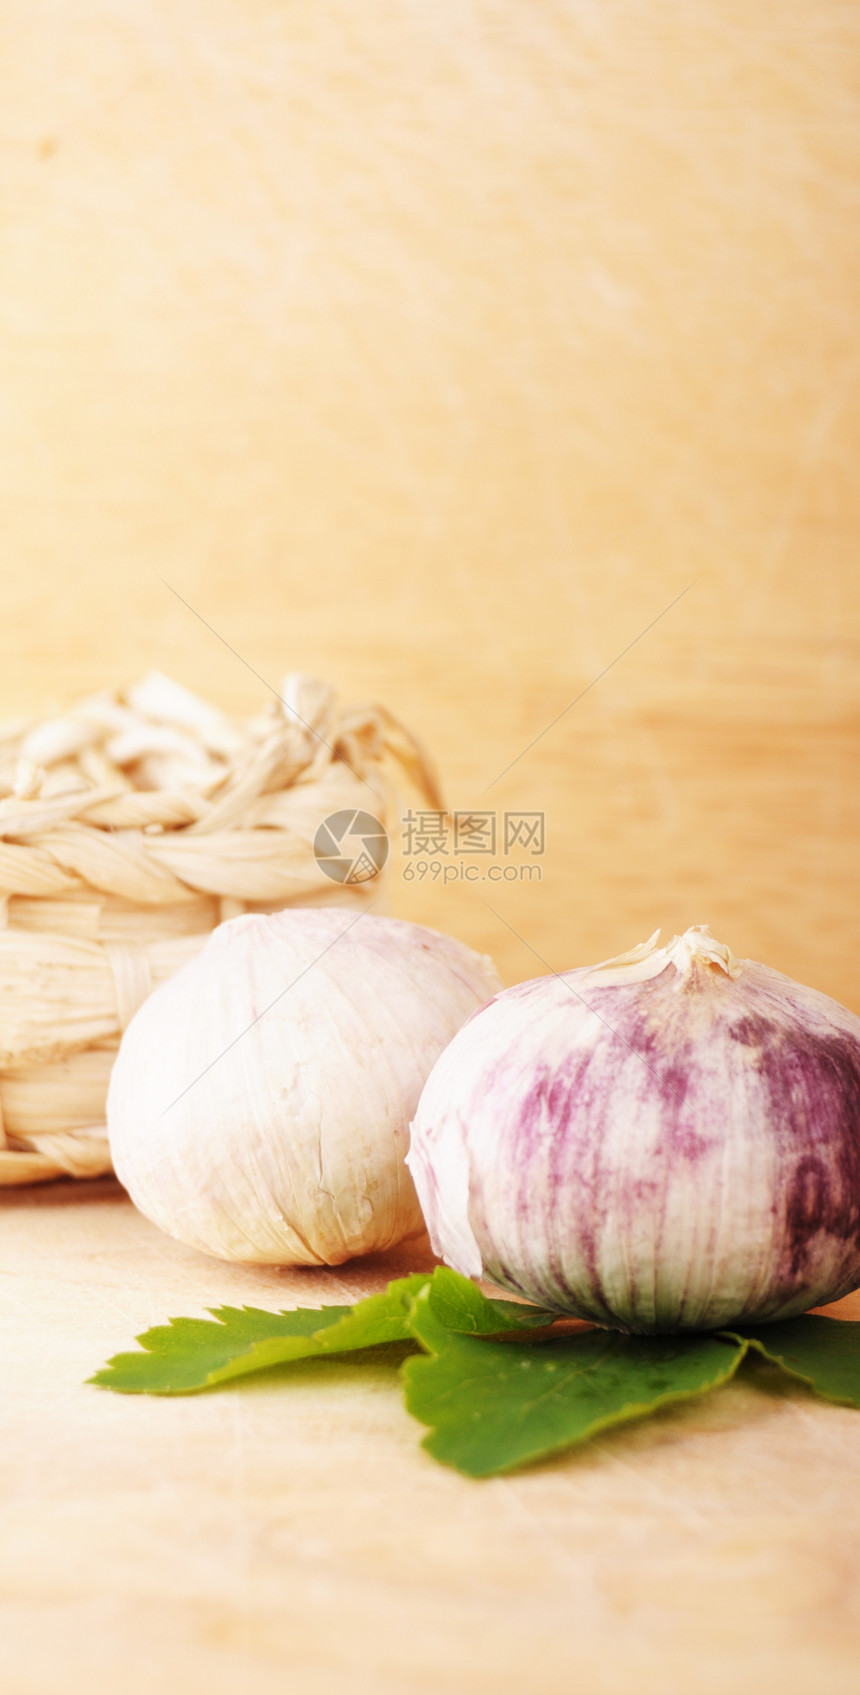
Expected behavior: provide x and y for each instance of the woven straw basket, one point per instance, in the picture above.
(129, 828)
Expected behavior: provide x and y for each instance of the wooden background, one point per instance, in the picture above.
(440, 348)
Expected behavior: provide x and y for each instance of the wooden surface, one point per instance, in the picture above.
(440, 350)
(293, 1535)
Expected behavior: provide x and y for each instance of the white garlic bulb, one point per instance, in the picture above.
(668, 1140)
(260, 1102)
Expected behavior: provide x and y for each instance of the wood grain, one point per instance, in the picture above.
(440, 350)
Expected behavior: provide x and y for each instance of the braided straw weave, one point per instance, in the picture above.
(129, 827)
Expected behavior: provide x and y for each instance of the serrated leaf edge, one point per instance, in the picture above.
(624, 1415)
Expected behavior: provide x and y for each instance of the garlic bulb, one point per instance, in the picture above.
(669, 1140)
(260, 1102)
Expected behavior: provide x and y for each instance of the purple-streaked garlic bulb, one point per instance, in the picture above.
(667, 1141)
(259, 1105)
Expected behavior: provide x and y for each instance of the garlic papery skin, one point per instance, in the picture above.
(260, 1102)
(666, 1141)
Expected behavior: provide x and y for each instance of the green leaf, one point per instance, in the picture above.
(189, 1354)
(500, 1383)
(822, 1352)
(460, 1306)
(493, 1405)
